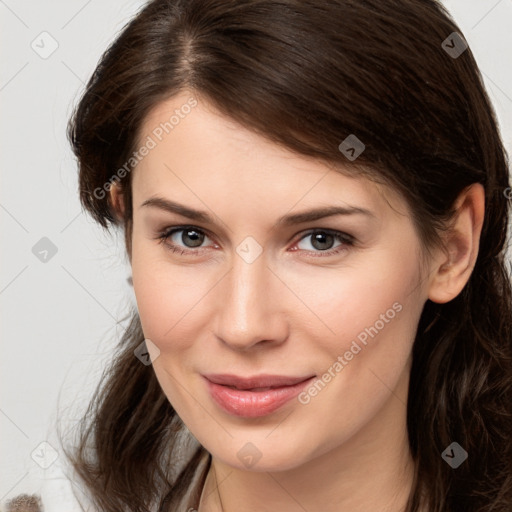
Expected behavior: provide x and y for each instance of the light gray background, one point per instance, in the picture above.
(60, 318)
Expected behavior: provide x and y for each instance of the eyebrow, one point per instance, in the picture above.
(285, 220)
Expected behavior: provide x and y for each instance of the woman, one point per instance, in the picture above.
(314, 202)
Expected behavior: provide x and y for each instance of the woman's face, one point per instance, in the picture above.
(261, 285)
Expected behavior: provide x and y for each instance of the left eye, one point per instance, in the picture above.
(322, 240)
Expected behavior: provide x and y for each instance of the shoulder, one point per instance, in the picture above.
(190, 501)
(57, 491)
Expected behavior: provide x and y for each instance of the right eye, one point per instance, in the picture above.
(190, 236)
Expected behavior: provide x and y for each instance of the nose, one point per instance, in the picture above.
(250, 306)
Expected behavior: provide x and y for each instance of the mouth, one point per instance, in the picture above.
(252, 397)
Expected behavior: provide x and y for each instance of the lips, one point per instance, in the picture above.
(253, 383)
(252, 397)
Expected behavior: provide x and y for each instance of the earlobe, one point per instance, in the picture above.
(116, 201)
(452, 269)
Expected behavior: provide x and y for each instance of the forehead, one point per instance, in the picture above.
(199, 149)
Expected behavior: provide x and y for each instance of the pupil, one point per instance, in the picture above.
(196, 238)
(320, 238)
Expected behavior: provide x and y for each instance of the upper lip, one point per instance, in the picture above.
(258, 381)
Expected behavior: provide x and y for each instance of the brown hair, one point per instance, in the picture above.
(307, 74)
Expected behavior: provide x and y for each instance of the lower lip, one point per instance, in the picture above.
(253, 404)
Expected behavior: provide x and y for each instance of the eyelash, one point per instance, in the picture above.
(346, 239)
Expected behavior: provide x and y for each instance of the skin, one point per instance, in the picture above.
(291, 311)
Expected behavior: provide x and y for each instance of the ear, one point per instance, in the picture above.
(452, 268)
(116, 201)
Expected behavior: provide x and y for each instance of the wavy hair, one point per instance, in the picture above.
(306, 74)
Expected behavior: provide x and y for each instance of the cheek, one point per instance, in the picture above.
(172, 302)
(379, 291)
(162, 291)
(164, 302)
(369, 316)
(374, 318)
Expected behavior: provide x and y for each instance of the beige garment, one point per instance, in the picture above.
(190, 501)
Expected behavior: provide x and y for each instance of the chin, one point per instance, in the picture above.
(260, 456)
